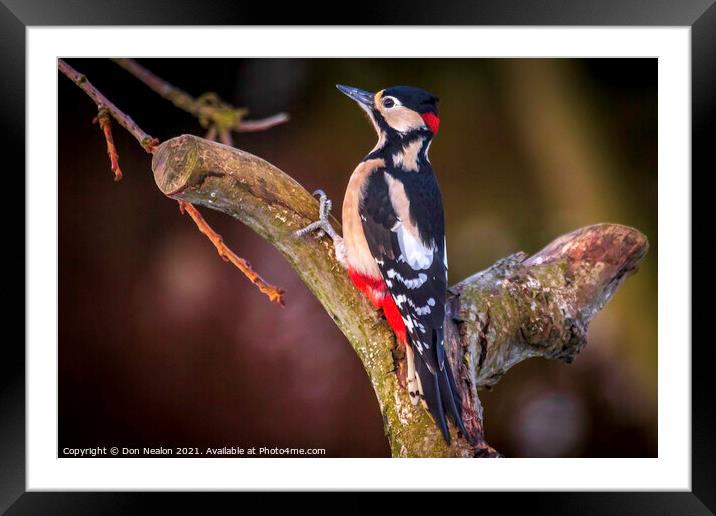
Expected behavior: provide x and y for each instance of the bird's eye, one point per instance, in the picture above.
(388, 103)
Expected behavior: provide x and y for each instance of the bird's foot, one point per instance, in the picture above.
(323, 227)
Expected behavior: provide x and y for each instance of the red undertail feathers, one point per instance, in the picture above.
(377, 292)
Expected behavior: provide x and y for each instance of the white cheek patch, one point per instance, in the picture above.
(414, 252)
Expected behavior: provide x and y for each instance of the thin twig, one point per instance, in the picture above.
(252, 126)
(226, 138)
(105, 123)
(107, 108)
(274, 294)
(145, 140)
(208, 108)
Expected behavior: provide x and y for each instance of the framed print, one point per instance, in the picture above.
(339, 351)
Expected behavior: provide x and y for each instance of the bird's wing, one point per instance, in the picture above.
(402, 218)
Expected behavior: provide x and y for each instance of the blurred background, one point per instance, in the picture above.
(161, 343)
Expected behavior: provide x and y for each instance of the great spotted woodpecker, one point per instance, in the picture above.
(393, 241)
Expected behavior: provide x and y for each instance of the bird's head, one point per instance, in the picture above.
(399, 111)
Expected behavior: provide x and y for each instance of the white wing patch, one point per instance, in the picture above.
(445, 252)
(409, 283)
(414, 252)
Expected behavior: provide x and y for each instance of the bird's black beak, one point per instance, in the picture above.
(364, 98)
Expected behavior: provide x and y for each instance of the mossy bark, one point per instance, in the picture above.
(519, 308)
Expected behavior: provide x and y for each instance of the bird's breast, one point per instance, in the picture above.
(358, 253)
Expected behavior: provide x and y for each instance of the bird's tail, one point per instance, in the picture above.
(439, 394)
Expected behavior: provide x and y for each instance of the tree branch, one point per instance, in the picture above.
(107, 108)
(273, 293)
(146, 141)
(104, 120)
(519, 308)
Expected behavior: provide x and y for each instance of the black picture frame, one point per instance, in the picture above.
(17, 15)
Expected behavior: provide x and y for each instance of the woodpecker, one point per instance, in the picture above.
(393, 243)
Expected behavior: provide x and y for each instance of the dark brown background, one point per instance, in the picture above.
(163, 344)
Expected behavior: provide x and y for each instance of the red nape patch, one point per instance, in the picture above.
(432, 121)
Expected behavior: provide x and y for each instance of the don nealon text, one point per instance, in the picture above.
(226, 451)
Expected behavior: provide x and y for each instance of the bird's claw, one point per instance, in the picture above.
(316, 226)
(324, 206)
(322, 226)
